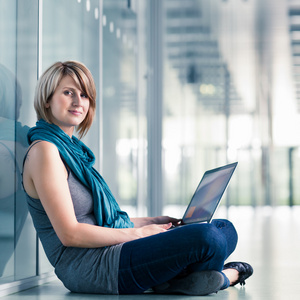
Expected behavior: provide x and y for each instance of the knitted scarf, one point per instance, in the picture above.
(80, 159)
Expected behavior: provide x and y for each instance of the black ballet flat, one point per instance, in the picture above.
(244, 269)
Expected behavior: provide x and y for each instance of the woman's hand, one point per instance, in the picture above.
(140, 222)
(153, 229)
(166, 219)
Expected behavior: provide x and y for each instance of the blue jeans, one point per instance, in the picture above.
(150, 261)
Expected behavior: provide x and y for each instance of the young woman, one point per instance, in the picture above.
(93, 245)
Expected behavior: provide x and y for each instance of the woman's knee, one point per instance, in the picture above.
(223, 223)
(216, 238)
(207, 238)
(227, 229)
(219, 235)
(208, 246)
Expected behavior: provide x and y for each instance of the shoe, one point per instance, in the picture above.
(194, 284)
(244, 269)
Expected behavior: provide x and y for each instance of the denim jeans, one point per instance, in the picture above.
(150, 261)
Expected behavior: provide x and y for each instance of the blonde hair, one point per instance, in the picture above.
(49, 82)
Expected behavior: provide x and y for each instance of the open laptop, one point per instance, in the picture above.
(208, 194)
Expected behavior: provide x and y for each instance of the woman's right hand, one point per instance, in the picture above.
(152, 229)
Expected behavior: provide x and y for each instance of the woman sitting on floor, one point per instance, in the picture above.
(93, 245)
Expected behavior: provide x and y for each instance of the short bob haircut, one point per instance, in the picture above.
(49, 82)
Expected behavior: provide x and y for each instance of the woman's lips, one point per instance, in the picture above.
(75, 112)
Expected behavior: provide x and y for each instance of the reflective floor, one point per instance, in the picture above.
(268, 238)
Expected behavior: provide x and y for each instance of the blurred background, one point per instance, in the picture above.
(183, 86)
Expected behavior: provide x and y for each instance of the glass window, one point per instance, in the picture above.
(225, 78)
(7, 130)
(71, 32)
(27, 24)
(18, 34)
(120, 105)
(195, 102)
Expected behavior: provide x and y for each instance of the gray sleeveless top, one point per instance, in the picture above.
(82, 270)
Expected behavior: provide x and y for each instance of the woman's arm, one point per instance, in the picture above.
(45, 178)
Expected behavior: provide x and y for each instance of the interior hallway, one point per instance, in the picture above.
(268, 239)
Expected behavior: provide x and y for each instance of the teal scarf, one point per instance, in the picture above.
(80, 159)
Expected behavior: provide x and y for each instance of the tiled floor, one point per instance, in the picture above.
(268, 238)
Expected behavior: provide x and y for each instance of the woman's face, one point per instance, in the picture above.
(68, 105)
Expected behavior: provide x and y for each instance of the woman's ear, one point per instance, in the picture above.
(47, 105)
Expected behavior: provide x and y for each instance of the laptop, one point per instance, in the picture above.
(208, 194)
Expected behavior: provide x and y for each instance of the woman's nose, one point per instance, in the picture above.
(77, 99)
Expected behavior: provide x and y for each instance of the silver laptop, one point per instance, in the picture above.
(208, 194)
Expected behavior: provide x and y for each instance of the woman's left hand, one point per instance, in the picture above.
(166, 220)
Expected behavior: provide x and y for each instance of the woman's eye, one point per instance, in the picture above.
(67, 93)
(84, 96)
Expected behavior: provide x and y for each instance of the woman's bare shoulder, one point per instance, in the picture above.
(41, 150)
(43, 165)
(43, 156)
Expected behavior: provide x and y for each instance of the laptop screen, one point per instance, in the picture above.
(208, 194)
